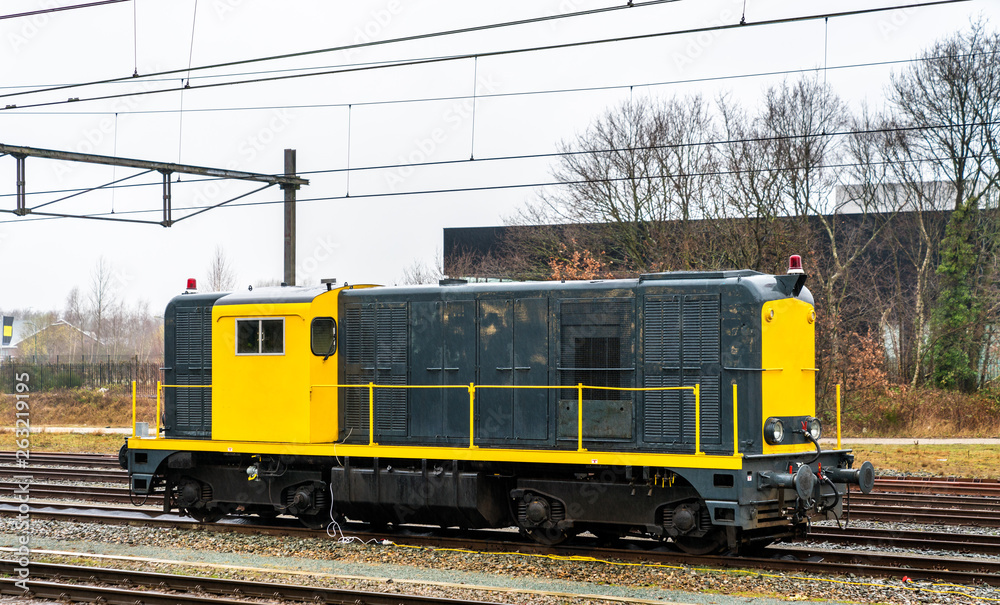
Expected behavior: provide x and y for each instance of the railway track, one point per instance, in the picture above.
(64, 459)
(792, 559)
(894, 538)
(51, 491)
(953, 510)
(128, 587)
(85, 475)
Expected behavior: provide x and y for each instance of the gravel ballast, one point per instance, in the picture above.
(511, 578)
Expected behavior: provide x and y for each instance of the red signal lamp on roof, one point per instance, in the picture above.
(192, 285)
(795, 265)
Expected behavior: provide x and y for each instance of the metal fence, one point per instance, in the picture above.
(49, 373)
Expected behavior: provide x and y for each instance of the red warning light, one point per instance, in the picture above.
(192, 284)
(795, 264)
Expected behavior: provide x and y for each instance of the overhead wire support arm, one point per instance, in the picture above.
(223, 173)
(288, 181)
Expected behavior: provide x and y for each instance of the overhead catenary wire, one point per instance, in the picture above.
(604, 88)
(226, 204)
(372, 43)
(545, 155)
(435, 60)
(56, 9)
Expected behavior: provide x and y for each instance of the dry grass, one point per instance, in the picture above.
(918, 413)
(981, 461)
(91, 443)
(80, 407)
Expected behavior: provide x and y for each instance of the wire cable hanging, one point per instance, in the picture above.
(435, 60)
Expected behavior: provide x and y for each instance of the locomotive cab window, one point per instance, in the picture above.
(324, 336)
(260, 336)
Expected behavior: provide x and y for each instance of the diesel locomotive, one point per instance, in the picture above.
(679, 405)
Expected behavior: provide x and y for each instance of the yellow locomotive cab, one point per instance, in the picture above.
(267, 353)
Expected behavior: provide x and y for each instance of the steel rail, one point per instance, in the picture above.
(88, 493)
(893, 538)
(928, 516)
(63, 458)
(67, 474)
(215, 586)
(984, 503)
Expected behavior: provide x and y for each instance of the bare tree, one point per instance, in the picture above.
(751, 206)
(221, 276)
(419, 272)
(951, 98)
(639, 165)
(75, 314)
(102, 299)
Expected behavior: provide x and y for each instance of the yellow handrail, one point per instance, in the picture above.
(159, 392)
(472, 387)
(838, 416)
(697, 420)
(736, 425)
(158, 388)
(133, 408)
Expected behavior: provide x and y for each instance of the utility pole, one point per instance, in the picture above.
(289, 189)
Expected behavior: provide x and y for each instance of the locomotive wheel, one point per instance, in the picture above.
(712, 542)
(320, 520)
(204, 515)
(317, 521)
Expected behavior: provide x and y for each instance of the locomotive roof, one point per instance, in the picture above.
(275, 294)
(691, 279)
(760, 282)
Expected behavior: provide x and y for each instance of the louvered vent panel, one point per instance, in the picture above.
(390, 407)
(711, 408)
(356, 402)
(391, 335)
(192, 408)
(664, 417)
(701, 330)
(188, 326)
(359, 347)
(661, 331)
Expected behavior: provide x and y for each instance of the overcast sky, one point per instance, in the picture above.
(369, 118)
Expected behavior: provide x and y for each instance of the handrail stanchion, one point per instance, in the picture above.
(579, 418)
(736, 426)
(133, 408)
(697, 419)
(158, 387)
(371, 413)
(472, 415)
(838, 417)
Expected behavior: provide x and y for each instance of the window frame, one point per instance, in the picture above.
(312, 342)
(260, 336)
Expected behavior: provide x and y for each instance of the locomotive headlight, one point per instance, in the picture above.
(814, 428)
(774, 431)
